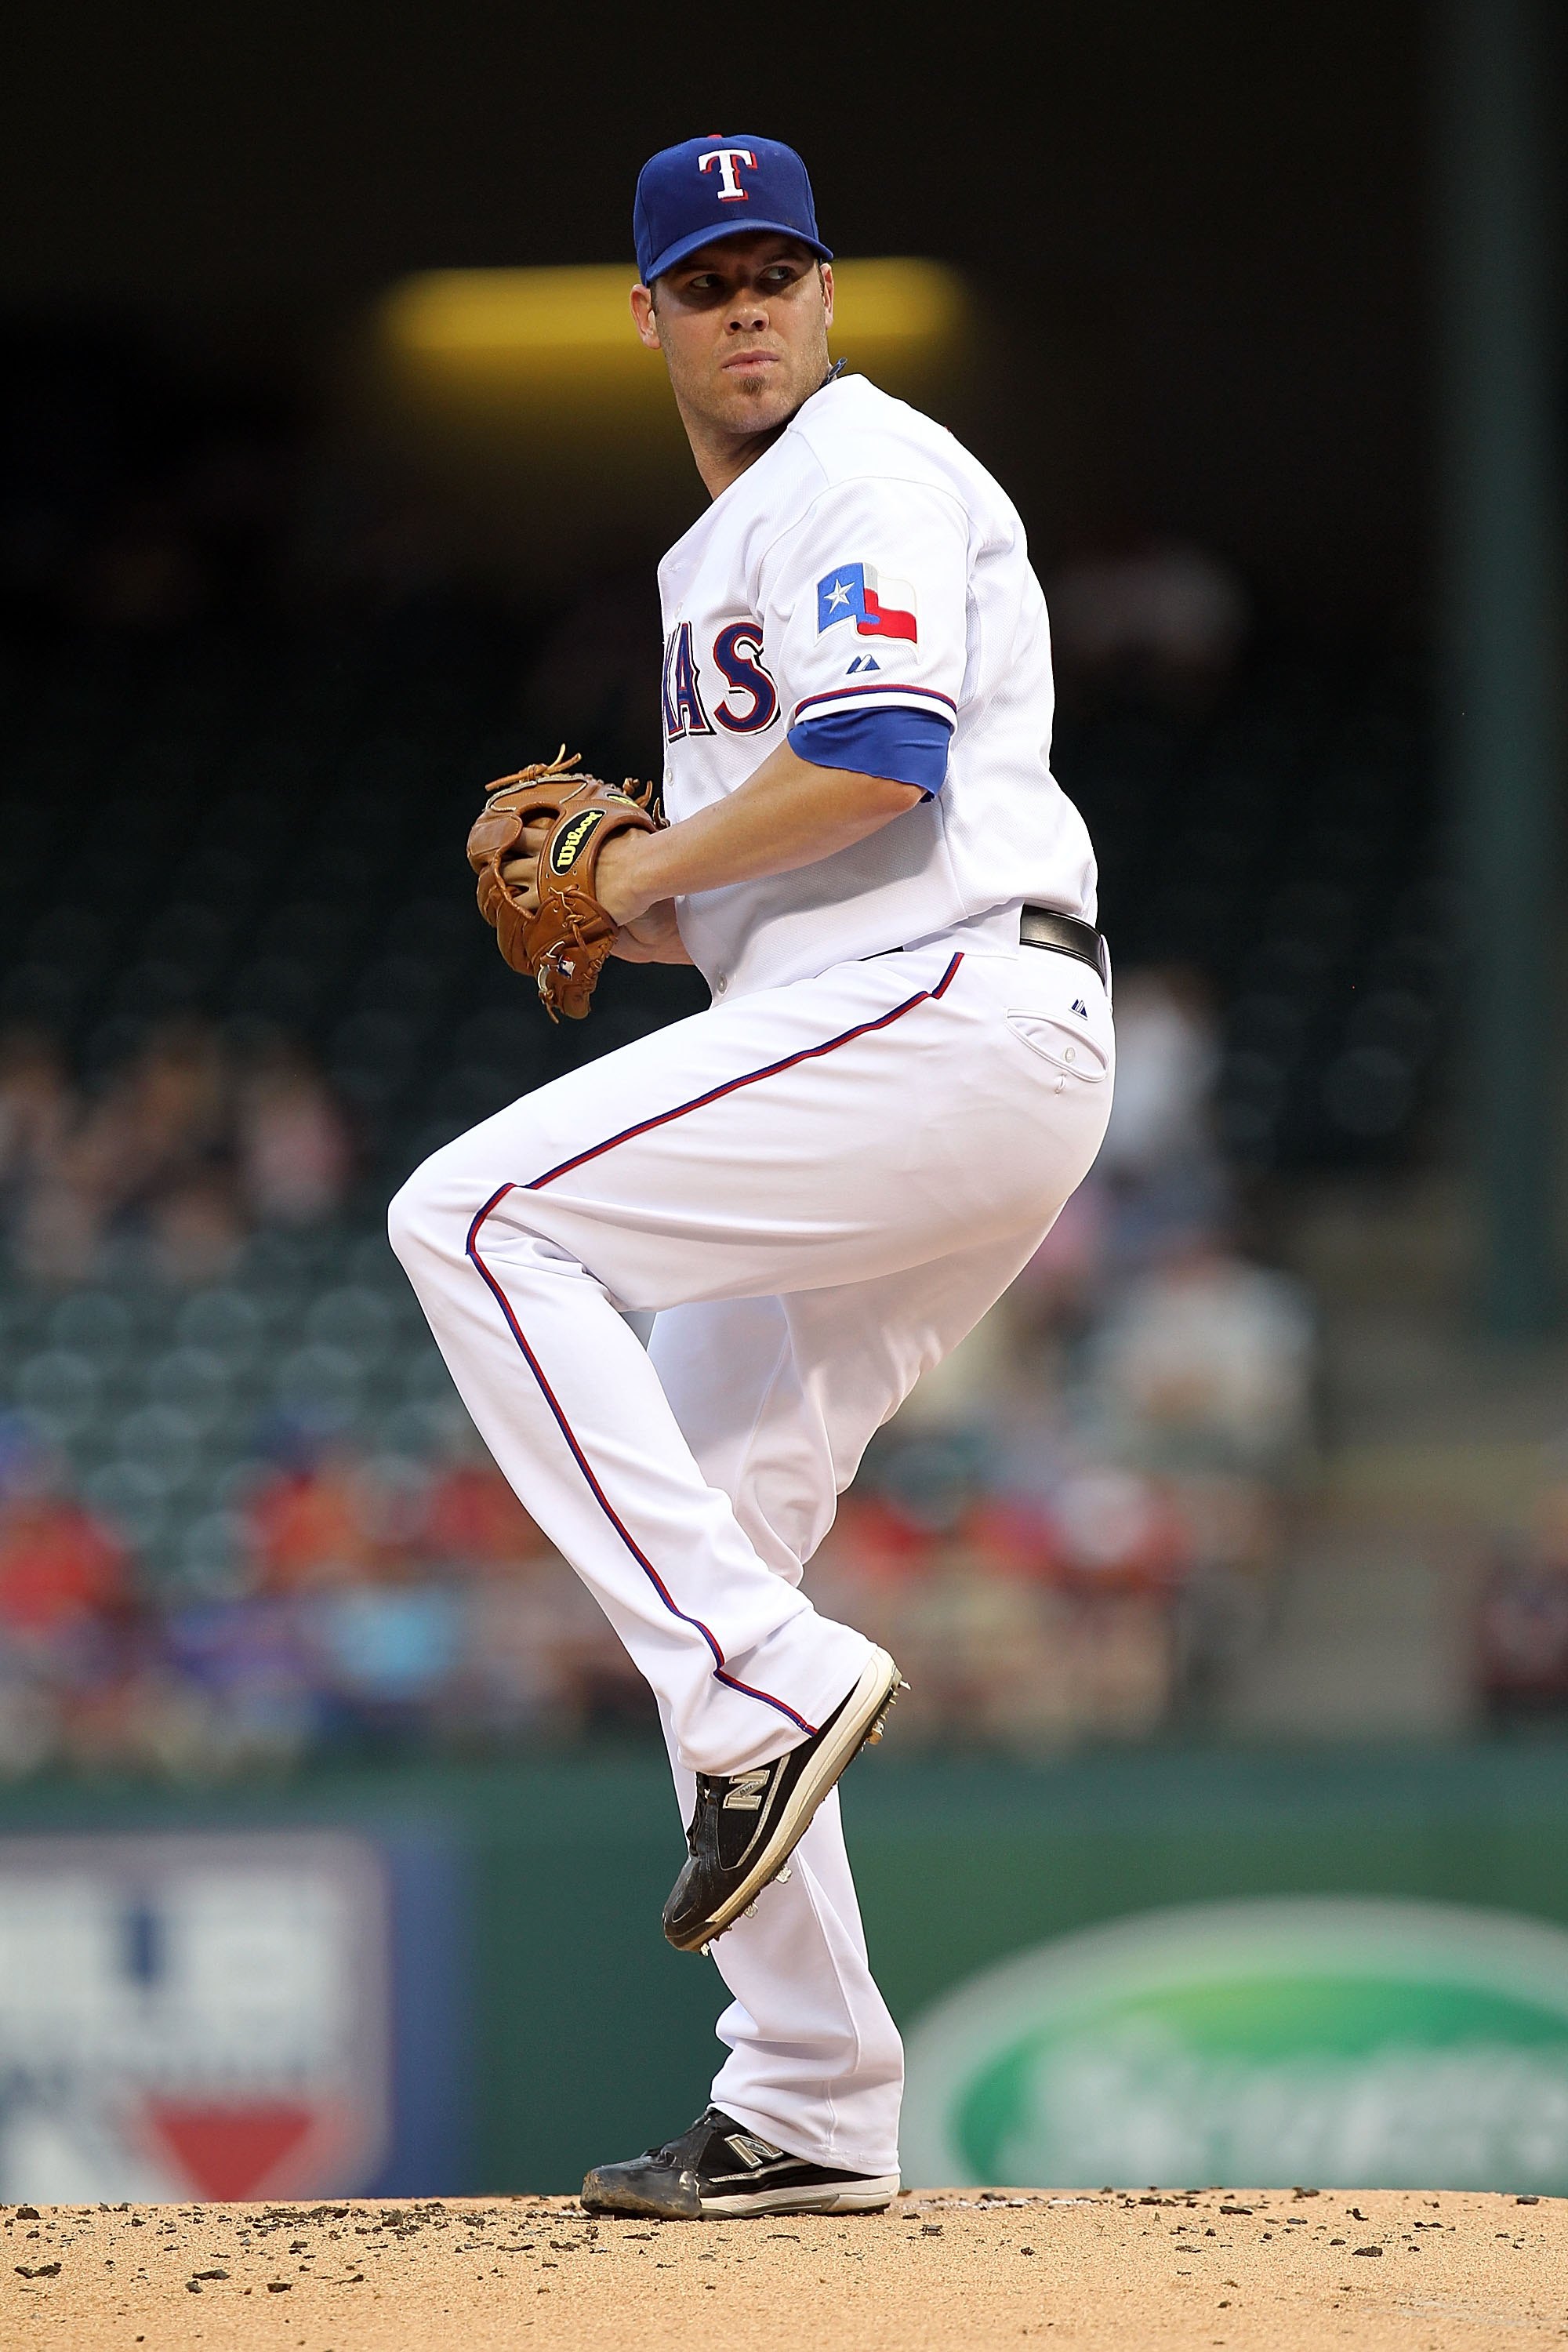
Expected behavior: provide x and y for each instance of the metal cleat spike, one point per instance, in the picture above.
(785, 1876)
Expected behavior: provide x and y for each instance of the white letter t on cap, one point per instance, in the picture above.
(730, 188)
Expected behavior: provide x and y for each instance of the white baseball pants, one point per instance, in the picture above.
(819, 1189)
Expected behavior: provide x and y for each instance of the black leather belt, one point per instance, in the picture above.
(1042, 926)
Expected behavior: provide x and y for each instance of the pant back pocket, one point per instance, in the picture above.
(1071, 1051)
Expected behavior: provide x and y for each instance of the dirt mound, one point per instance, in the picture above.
(1275, 2270)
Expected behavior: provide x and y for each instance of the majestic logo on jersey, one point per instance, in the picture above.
(878, 608)
(729, 160)
(737, 652)
(565, 854)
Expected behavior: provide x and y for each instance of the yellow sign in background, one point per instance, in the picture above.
(524, 398)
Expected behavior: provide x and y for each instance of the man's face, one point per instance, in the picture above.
(742, 324)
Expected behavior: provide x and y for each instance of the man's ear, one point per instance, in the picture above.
(644, 317)
(824, 270)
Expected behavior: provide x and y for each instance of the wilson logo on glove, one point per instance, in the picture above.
(542, 908)
(569, 840)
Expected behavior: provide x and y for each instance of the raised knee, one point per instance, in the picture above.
(416, 1218)
(402, 1218)
(440, 1207)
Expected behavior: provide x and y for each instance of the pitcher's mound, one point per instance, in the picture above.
(1265, 2270)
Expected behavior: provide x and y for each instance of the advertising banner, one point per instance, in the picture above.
(1269, 2043)
(187, 2017)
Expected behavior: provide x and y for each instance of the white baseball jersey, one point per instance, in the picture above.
(868, 564)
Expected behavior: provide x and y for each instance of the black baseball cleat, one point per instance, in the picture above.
(745, 1827)
(718, 2170)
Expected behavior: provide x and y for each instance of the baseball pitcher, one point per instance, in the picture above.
(818, 1185)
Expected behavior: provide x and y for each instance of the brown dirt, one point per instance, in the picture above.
(1272, 2271)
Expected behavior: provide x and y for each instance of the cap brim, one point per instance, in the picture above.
(699, 237)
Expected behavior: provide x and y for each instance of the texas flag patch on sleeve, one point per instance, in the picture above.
(878, 608)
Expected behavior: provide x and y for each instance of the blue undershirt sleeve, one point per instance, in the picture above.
(909, 747)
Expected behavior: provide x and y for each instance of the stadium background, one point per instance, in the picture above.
(1231, 1558)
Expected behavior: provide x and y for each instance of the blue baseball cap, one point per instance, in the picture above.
(706, 188)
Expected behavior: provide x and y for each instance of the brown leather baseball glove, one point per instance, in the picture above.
(551, 925)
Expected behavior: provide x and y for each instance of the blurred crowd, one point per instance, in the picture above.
(1069, 1533)
(231, 1467)
(369, 1601)
(242, 1514)
(195, 1139)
